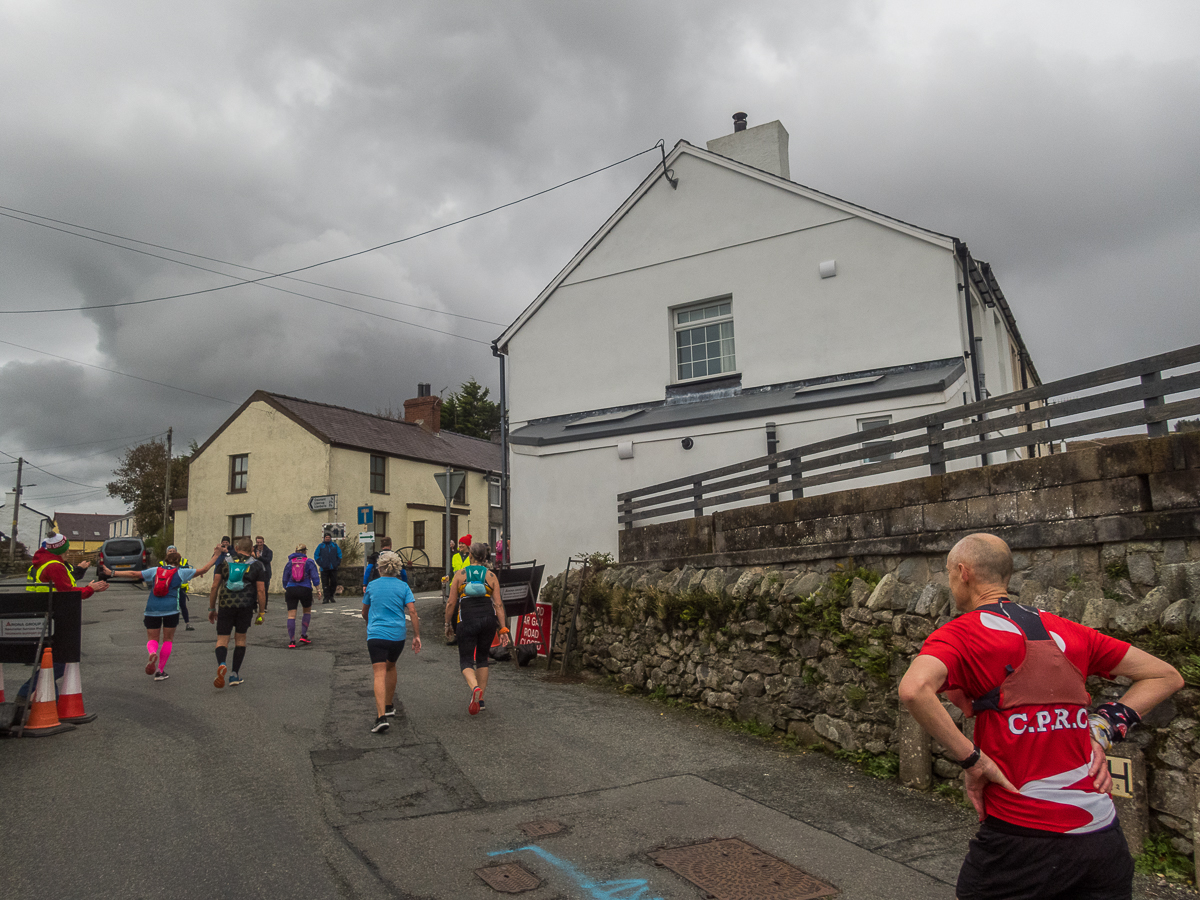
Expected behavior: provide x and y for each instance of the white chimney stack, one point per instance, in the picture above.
(763, 146)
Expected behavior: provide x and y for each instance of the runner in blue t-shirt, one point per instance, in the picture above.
(161, 617)
(385, 602)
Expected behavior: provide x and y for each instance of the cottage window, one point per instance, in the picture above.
(380, 525)
(867, 425)
(494, 492)
(378, 474)
(704, 340)
(460, 496)
(239, 527)
(419, 534)
(239, 469)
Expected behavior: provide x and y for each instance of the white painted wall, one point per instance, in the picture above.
(564, 497)
(604, 338)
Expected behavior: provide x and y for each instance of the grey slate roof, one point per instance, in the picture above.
(732, 404)
(356, 430)
(84, 526)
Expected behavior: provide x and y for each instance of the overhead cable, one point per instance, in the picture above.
(346, 256)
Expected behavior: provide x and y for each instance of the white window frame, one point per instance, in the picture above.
(494, 497)
(720, 318)
(866, 424)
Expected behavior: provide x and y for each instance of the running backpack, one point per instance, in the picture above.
(162, 580)
(237, 575)
(298, 568)
(475, 588)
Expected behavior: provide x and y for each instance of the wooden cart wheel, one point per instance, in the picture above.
(413, 556)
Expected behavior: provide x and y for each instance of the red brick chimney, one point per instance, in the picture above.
(424, 410)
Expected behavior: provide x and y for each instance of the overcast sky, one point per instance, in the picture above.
(1059, 140)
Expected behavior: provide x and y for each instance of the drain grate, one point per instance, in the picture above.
(734, 870)
(542, 827)
(509, 879)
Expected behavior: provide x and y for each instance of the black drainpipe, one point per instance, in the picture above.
(504, 522)
(964, 259)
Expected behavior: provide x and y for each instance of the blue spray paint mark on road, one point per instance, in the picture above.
(620, 889)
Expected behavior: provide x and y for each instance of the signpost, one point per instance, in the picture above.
(536, 628)
(366, 515)
(322, 502)
(336, 530)
(449, 481)
(366, 537)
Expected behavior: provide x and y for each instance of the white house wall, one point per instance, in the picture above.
(604, 338)
(564, 496)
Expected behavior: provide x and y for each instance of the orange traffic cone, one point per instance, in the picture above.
(70, 698)
(43, 718)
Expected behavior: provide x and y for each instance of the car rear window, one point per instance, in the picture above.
(123, 548)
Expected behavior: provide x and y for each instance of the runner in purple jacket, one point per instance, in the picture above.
(300, 578)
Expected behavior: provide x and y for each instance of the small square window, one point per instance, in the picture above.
(704, 340)
(870, 424)
(239, 527)
(378, 474)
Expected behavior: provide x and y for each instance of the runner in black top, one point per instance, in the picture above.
(476, 593)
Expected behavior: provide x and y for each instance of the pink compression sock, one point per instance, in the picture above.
(163, 655)
(151, 647)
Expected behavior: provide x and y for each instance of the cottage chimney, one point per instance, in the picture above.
(424, 409)
(763, 146)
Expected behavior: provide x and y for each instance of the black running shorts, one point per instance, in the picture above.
(1004, 864)
(155, 622)
(475, 638)
(234, 618)
(298, 596)
(384, 651)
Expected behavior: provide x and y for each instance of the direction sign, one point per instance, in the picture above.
(366, 537)
(325, 501)
(456, 480)
(366, 515)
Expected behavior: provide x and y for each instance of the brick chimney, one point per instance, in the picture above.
(424, 410)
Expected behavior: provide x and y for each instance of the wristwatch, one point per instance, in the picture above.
(970, 760)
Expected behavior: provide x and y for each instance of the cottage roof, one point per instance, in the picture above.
(355, 430)
(84, 526)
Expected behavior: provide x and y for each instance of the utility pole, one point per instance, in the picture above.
(167, 486)
(446, 529)
(12, 538)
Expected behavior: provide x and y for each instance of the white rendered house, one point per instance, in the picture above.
(722, 304)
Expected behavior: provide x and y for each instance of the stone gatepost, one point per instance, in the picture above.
(1129, 793)
(1194, 784)
(916, 759)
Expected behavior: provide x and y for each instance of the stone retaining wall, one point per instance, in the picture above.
(815, 648)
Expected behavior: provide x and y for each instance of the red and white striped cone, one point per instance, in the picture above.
(43, 717)
(70, 698)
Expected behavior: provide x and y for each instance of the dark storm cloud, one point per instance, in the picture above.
(275, 135)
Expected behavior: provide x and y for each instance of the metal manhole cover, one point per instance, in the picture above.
(509, 879)
(542, 827)
(734, 870)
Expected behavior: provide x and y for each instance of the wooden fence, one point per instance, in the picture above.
(1031, 418)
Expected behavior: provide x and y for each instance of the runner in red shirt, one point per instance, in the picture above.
(1037, 773)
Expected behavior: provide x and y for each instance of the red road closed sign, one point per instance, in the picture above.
(535, 628)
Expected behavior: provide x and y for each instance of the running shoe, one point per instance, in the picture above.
(389, 711)
(305, 639)
(189, 627)
(219, 681)
(235, 679)
(473, 706)
(161, 676)
(291, 645)
(381, 724)
(482, 706)
(151, 668)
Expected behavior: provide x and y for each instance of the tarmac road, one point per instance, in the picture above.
(278, 789)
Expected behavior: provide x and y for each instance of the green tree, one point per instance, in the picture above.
(1188, 425)
(470, 412)
(139, 483)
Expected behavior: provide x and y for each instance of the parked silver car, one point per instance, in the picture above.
(124, 554)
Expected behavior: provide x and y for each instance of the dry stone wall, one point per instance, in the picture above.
(815, 649)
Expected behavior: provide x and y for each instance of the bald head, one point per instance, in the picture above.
(986, 556)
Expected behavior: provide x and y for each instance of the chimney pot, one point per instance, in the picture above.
(424, 410)
(739, 121)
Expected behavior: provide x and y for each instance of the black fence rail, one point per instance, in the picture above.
(1032, 418)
